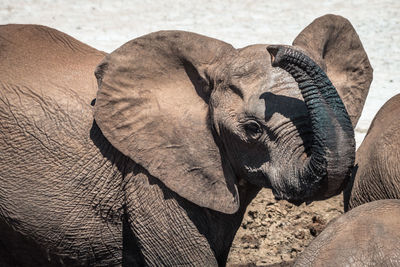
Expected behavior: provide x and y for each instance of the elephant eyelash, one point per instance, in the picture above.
(236, 90)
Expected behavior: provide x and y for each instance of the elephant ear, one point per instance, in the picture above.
(152, 105)
(332, 42)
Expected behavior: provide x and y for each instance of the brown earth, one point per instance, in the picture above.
(274, 232)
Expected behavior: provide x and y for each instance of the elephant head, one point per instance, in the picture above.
(201, 115)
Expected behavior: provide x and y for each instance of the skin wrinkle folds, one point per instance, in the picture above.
(145, 190)
(161, 169)
(62, 182)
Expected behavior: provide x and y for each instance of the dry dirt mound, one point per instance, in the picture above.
(273, 233)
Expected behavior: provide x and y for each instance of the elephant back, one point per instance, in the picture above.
(365, 236)
(47, 61)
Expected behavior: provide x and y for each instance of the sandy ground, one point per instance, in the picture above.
(271, 232)
(276, 232)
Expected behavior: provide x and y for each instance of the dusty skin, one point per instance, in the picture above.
(132, 210)
(271, 232)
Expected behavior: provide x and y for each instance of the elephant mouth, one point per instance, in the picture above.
(295, 201)
(286, 185)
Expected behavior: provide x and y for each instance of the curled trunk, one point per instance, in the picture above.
(323, 173)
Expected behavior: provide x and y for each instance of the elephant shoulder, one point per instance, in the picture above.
(47, 82)
(383, 136)
(377, 175)
(384, 117)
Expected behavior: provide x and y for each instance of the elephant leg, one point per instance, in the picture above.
(161, 227)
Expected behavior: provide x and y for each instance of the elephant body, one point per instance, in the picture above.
(368, 235)
(78, 210)
(46, 90)
(377, 171)
(150, 158)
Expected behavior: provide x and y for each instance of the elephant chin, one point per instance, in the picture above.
(289, 188)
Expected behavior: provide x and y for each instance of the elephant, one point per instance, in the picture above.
(376, 174)
(367, 235)
(153, 159)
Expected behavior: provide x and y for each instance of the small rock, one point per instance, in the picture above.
(300, 235)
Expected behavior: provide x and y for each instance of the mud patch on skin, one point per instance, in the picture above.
(274, 233)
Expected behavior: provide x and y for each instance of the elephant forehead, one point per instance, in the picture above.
(276, 92)
(251, 71)
(267, 91)
(250, 62)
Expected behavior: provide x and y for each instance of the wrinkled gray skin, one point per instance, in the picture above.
(376, 174)
(368, 235)
(155, 162)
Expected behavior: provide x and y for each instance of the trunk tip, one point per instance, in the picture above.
(273, 51)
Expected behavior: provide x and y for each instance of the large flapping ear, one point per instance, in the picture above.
(334, 44)
(152, 105)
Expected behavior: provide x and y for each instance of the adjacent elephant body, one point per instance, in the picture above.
(377, 171)
(368, 235)
(159, 166)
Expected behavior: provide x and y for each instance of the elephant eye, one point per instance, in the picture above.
(253, 129)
